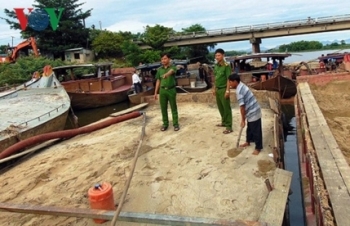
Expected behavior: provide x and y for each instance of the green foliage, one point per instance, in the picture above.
(132, 52)
(3, 49)
(23, 69)
(156, 36)
(196, 50)
(176, 52)
(301, 46)
(150, 56)
(108, 44)
(71, 31)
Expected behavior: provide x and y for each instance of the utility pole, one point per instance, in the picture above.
(100, 25)
(12, 40)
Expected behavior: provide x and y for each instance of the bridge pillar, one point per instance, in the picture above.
(255, 44)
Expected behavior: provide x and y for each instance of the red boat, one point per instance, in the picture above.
(92, 85)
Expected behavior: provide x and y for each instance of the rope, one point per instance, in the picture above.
(117, 212)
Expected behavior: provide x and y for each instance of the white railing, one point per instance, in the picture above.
(258, 27)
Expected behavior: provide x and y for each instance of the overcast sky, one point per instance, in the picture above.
(132, 15)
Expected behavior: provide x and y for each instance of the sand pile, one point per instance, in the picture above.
(185, 173)
(334, 101)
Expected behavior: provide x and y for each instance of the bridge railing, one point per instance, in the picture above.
(258, 27)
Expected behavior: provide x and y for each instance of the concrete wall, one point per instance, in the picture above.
(84, 56)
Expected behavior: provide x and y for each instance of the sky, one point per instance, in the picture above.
(132, 15)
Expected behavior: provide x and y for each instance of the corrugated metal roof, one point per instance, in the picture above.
(259, 55)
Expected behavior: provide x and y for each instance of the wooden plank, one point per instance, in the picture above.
(149, 218)
(276, 148)
(274, 105)
(123, 112)
(274, 208)
(334, 167)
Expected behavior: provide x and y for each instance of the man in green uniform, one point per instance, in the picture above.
(166, 82)
(221, 90)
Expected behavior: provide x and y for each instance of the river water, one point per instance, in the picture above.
(308, 56)
(88, 116)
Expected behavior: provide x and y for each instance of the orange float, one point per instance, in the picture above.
(101, 198)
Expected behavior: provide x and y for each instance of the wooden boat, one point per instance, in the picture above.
(39, 106)
(136, 98)
(184, 80)
(285, 86)
(257, 76)
(92, 85)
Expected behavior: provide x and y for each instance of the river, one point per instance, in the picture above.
(307, 56)
(88, 116)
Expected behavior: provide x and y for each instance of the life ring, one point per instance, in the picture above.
(47, 71)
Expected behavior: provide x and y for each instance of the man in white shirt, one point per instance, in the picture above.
(137, 82)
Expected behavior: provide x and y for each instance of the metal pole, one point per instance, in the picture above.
(100, 25)
(160, 219)
(12, 40)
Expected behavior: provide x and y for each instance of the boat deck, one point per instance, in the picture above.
(186, 173)
(199, 87)
(32, 104)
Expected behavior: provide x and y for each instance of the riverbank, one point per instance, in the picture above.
(184, 173)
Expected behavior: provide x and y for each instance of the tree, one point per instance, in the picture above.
(197, 50)
(108, 44)
(342, 42)
(156, 36)
(70, 33)
(3, 49)
(132, 52)
(301, 46)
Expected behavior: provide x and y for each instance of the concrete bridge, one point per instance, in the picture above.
(254, 33)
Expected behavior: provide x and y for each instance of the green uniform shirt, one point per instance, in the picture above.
(221, 72)
(169, 81)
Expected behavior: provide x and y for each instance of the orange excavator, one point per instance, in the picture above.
(14, 52)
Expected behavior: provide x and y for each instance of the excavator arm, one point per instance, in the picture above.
(27, 43)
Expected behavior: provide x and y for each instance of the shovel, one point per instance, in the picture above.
(237, 150)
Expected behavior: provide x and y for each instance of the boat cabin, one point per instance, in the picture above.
(252, 68)
(148, 71)
(88, 77)
(332, 61)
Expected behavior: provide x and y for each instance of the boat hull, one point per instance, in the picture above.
(135, 98)
(55, 124)
(95, 100)
(39, 108)
(285, 86)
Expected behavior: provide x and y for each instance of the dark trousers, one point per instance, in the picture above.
(254, 133)
(138, 87)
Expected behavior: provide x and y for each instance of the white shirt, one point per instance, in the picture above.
(136, 78)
